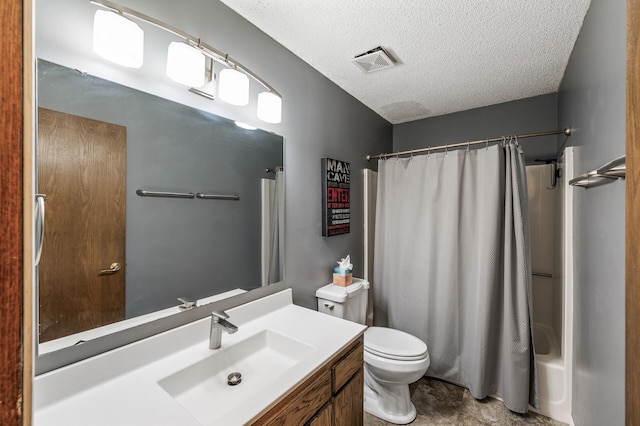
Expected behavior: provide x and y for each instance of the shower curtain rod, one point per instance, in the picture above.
(476, 142)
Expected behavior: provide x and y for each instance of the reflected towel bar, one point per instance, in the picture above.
(542, 274)
(217, 197)
(144, 193)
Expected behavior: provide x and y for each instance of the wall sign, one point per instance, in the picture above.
(336, 215)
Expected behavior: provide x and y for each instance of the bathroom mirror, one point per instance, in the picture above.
(147, 201)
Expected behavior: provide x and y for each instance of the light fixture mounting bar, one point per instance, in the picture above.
(206, 49)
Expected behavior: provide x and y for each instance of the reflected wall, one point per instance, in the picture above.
(177, 247)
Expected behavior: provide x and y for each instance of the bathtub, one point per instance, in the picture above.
(552, 377)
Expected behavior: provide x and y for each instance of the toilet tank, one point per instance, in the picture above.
(348, 302)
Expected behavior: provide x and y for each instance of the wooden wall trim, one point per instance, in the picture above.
(632, 257)
(11, 296)
(28, 136)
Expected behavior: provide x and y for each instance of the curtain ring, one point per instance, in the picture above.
(446, 150)
(468, 145)
(428, 152)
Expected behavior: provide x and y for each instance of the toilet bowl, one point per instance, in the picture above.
(392, 358)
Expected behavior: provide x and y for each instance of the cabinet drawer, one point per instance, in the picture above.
(345, 368)
(305, 404)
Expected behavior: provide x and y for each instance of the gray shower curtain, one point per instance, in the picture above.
(452, 266)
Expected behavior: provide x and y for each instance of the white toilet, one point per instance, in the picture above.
(392, 358)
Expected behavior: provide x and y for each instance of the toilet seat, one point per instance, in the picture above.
(394, 344)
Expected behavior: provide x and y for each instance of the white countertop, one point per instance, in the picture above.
(121, 387)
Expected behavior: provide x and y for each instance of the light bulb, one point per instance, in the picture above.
(117, 39)
(269, 107)
(185, 64)
(233, 87)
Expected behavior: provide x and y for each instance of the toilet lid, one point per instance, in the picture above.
(391, 343)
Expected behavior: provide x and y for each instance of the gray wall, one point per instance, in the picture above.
(592, 102)
(522, 116)
(318, 118)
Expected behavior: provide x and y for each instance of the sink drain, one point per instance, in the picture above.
(234, 378)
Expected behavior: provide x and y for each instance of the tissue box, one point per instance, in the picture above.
(342, 277)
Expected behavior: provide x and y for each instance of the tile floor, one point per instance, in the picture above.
(441, 403)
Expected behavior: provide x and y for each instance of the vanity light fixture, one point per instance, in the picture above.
(183, 65)
(118, 39)
(233, 87)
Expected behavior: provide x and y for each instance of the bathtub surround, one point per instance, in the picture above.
(452, 266)
(551, 221)
(544, 208)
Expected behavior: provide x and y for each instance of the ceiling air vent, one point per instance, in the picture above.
(373, 60)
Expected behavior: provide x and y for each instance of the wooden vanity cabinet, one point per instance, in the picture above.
(332, 396)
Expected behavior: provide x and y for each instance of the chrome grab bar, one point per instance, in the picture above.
(145, 193)
(217, 197)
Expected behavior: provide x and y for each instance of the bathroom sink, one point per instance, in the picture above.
(261, 359)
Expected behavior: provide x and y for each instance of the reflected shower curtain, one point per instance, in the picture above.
(453, 267)
(276, 258)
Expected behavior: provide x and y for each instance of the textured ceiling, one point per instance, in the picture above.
(452, 55)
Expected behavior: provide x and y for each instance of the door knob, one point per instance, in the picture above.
(115, 267)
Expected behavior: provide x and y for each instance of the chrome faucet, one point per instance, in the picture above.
(219, 324)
